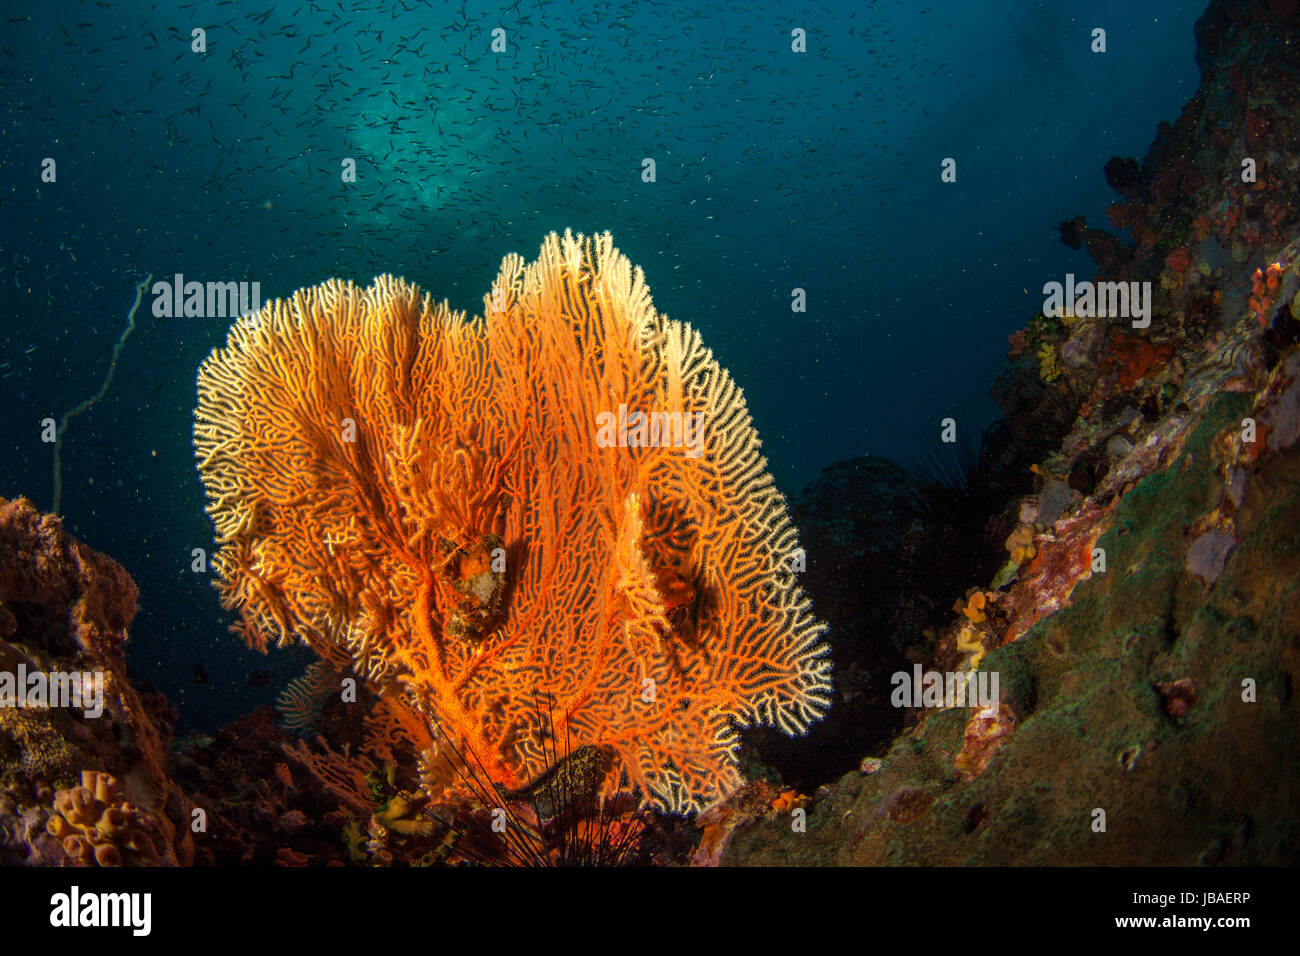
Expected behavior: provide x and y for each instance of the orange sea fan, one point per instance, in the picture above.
(434, 495)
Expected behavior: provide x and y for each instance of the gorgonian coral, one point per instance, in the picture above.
(510, 525)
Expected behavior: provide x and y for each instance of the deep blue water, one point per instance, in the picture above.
(775, 170)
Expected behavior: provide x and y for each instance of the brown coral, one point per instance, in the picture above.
(372, 460)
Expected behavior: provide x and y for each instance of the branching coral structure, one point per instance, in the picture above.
(448, 500)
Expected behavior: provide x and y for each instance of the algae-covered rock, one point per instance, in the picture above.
(1113, 759)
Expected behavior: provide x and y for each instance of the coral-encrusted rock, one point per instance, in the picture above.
(1143, 683)
(66, 609)
(41, 567)
(1245, 107)
(1145, 627)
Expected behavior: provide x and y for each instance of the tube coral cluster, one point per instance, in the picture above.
(430, 493)
(99, 826)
